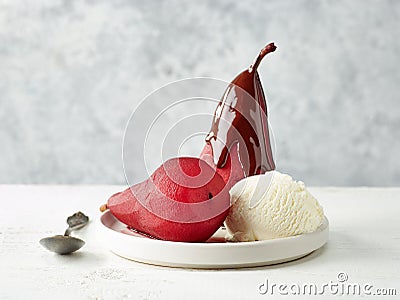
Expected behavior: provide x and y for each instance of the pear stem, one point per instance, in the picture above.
(267, 49)
(103, 208)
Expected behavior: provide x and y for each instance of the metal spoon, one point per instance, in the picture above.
(66, 244)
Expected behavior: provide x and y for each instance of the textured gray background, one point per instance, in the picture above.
(71, 72)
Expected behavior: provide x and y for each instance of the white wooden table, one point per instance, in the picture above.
(364, 243)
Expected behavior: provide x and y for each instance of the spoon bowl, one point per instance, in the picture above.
(62, 244)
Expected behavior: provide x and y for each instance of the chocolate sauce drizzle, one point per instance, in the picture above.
(241, 117)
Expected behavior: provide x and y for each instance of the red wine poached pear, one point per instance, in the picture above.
(238, 145)
(239, 141)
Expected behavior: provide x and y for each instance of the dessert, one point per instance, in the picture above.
(283, 207)
(187, 199)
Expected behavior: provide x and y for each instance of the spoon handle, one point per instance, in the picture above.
(68, 231)
(75, 222)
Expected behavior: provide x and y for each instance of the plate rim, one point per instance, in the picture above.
(213, 255)
(322, 227)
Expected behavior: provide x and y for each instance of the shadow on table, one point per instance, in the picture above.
(79, 257)
(313, 255)
(341, 243)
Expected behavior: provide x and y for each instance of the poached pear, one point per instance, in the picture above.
(180, 201)
(187, 199)
(238, 144)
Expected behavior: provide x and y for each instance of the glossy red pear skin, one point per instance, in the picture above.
(238, 144)
(241, 119)
(231, 172)
(154, 193)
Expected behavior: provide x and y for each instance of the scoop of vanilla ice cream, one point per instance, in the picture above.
(269, 206)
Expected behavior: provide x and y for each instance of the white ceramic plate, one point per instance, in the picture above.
(215, 253)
